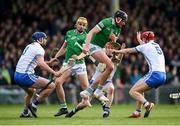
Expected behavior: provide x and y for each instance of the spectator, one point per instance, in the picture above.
(19, 19)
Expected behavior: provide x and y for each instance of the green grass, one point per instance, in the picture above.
(161, 115)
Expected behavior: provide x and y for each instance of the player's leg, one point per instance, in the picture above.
(83, 104)
(137, 112)
(61, 94)
(101, 57)
(110, 94)
(83, 80)
(109, 89)
(27, 101)
(137, 90)
(33, 81)
(40, 82)
(137, 93)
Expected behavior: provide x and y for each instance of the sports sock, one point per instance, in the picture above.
(146, 103)
(98, 90)
(106, 108)
(35, 103)
(63, 104)
(99, 87)
(74, 110)
(103, 103)
(25, 111)
(89, 90)
(138, 111)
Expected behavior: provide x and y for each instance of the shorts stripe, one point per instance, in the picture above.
(155, 79)
(147, 76)
(33, 77)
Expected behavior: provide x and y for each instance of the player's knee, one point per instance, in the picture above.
(131, 92)
(51, 86)
(110, 67)
(111, 90)
(57, 82)
(30, 93)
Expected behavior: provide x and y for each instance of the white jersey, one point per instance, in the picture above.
(100, 68)
(28, 61)
(153, 55)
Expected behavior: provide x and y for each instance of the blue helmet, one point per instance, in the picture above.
(37, 35)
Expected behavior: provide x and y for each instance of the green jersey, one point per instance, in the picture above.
(74, 40)
(106, 27)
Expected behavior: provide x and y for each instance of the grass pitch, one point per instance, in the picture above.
(160, 115)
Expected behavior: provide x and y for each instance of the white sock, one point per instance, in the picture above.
(34, 105)
(146, 103)
(137, 112)
(98, 92)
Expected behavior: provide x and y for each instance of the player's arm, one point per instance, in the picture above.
(50, 61)
(102, 24)
(61, 51)
(139, 38)
(42, 64)
(127, 50)
(120, 56)
(94, 31)
(113, 37)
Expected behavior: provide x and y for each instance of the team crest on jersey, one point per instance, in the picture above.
(74, 37)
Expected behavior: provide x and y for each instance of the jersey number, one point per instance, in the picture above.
(158, 50)
(25, 50)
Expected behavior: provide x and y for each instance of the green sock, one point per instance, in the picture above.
(76, 110)
(103, 103)
(63, 104)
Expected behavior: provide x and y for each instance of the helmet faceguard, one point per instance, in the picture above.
(148, 35)
(121, 14)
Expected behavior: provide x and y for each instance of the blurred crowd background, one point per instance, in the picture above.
(20, 18)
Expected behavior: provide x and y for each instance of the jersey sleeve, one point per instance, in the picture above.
(141, 48)
(40, 51)
(102, 24)
(66, 37)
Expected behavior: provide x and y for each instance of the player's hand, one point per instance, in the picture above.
(123, 46)
(71, 61)
(57, 74)
(115, 51)
(138, 35)
(108, 45)
(139, 38)
(52, 60)
(75, 57)
(113, 37)
(109, 51)
(86, 48)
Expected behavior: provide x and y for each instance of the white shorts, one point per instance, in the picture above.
(94, 48)
(78, 69)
